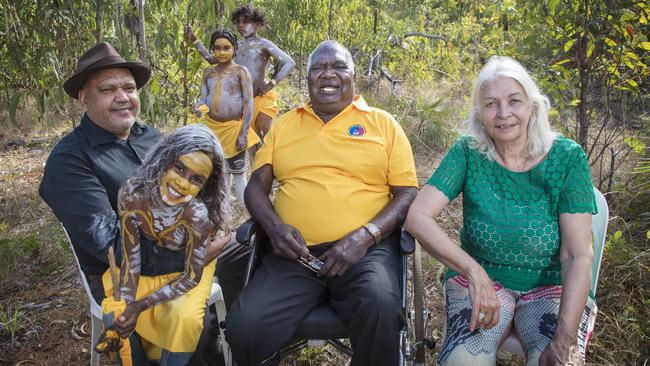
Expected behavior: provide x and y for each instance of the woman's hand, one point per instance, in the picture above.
(125, 323)
(485, 304)
(561, 352)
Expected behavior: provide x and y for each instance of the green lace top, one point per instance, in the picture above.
(510, 219)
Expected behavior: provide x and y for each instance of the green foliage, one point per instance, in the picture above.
(616, 250)
(637, 145)
(13, 107)
(13, 248)
(11, 322)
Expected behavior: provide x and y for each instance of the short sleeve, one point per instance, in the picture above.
(265, 154)
(401, 166)
(577, 195)
(449, 177)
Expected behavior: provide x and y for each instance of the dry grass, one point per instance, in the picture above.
(37, 278)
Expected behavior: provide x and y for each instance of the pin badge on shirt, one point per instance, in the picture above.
(356, 130)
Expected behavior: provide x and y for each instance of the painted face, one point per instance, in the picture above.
(110, 98)
(330, 81)
(505, 110)
(223, 50)
(246, 27)
(185, 178)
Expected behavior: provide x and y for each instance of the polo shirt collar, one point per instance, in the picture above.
(357, 102)
(98, 136)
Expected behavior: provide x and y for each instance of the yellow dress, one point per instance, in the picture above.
(174, 325)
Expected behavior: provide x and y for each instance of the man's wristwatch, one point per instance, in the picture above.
(374, 231)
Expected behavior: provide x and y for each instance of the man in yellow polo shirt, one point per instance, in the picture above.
(347, 178)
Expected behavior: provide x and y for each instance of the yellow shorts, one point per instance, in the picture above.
(227, 133)
(267, 104)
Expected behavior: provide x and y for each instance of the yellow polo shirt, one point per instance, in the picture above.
(336, 176)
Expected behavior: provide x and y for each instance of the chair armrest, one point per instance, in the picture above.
(246, 231)
(406, 243)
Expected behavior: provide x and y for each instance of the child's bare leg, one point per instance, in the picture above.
(237, 168)
(240, 186)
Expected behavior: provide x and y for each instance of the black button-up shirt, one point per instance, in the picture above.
(81, 181)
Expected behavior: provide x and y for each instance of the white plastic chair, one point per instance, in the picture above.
(598, 232)
(95, 309)
(216, 298)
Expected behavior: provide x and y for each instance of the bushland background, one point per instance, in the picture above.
(415, 59)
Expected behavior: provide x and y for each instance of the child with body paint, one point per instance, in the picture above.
(174, 205)
(227, 101)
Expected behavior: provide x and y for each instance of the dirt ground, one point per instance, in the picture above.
(43, 308)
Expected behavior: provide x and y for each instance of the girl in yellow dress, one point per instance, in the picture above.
(175, 203)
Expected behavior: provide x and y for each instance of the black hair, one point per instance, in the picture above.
(248, 12)
(224, 33)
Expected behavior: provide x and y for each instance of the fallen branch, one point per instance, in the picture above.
(23, 362)
(15, 143)
(393, 82)
(441, 72)
(425, 144)
(73, 332)
(371, 64)
(42, 306)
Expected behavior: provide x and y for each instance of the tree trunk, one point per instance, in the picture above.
(582, 113)
(142, 46)
(581, 57)
(329, 21)
(135, 24)
(220, 12)
(375, 15)
(118, 19)
(98, 20)
(300, 63)
(186, 52)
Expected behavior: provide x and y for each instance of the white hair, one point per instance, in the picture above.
(332, 43)
(540, 133)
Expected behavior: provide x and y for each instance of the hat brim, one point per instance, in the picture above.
(141, 73)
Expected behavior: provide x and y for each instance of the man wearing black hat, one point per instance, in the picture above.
(87, 167)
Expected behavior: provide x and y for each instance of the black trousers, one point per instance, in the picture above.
(281, 293)
(231, 270)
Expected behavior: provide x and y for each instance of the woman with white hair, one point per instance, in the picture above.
(524, 262)
(177, 200)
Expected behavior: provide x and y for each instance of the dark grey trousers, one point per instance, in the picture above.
(281, 293)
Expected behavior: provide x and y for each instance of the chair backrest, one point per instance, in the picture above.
(95, 308)
(598, 231)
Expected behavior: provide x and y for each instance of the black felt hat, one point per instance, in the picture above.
(103, 56)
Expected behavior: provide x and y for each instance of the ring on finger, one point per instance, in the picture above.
(481, 315)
